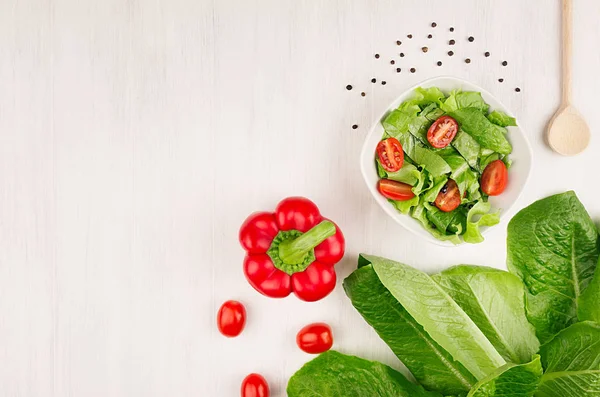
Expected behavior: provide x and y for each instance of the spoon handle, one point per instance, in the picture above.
(567, 32)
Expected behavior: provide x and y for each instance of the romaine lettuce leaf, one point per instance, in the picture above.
(460, 170)
(406, 205)
(481, 211)
(439, 315)
(553, 247)
(424, 96)
(448, 222)
(418, 127)
(510, 380)
(488, 135)
(432, 193)
(429, 363)
(468, 147)
(432, 112)
(589, 301)
(408, 174)
(333, 374)
(398, 120)
(502, 119)
(464, 99)
(572, 362)
(429, 160)
(420, 214)
(495, 301)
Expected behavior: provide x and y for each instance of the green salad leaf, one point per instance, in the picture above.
(510, 380)
(424, 96)
(553, 246)
(408, 174)
(476, 124)
(485, 218)
(464, 99)
(430, 364)
(495, 301)
(429, 160)
(448, 324)
(589, 301)
(398, 120)
(572, 362)
(333, 374)
(468, 147)
(502, 119)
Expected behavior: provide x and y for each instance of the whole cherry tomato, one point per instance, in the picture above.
(391, 154)
(255, 385)
(442, 132)
(231, 318)
(448, 199)
(494, 178)
(315, 338)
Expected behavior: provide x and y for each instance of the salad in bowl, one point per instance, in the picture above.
(441, 156)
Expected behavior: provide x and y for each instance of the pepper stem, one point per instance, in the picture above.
(294, 251)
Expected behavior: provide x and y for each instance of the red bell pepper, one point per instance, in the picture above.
(293, 249)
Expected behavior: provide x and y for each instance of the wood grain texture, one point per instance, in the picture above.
(137, 135)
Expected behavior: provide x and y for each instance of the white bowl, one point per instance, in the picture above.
(518, 173)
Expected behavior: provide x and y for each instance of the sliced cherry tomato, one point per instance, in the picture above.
(314, 283)
(231, 318)
(297, 213)
(315, 338)
(255, 385)
(391, 155)
(448, 198)
(494, 178)
(442, 132)
(395, 190)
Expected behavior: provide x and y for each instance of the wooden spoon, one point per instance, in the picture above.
(568, 133)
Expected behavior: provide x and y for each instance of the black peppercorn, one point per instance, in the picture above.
(439, 63)
(450, 53)
(373, 80)
(467, 60)
(429, 36)
(398, 42)
(487, 54)
(424, 49)
(518, 89)
(348, 87)
(409, 36)
(376, 56)
(501, 80)
(471, 39)
(398, 70)
(392, 62)
(452, 42)
(401, 55)
(363, 94)
(354, 127)
(433, 25)
(383, 83)
(412, 70)
(504, 63)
